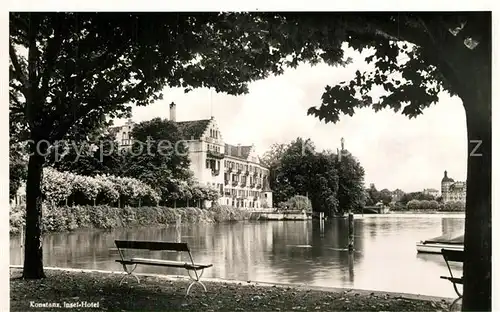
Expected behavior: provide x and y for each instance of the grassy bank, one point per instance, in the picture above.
(59, 219)
(158, 294)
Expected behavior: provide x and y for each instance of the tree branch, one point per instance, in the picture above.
(403, 31)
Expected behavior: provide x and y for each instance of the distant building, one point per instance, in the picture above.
(397, 194)
(451, 190)
(234, 170)
(431, 191)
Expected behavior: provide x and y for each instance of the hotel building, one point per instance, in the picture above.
(234, 170)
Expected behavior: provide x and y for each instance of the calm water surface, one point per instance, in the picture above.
(287, 252)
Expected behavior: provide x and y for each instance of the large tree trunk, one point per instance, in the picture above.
(33, 252)
(477, 263)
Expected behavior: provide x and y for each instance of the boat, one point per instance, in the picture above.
(434, 245)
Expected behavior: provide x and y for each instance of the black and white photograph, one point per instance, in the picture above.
(250, 160)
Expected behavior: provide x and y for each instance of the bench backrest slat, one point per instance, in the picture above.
(122, 244)
(453, 255)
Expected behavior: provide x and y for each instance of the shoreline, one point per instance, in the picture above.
(408, 214)
(254, 283)
(167, 293)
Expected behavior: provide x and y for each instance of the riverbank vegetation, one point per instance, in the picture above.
(296, 203)
(66, 188)
(68, 218)
(159, 294)
(419, 202)
(333, 182)
(431, 205)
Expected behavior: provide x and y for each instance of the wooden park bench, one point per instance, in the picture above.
(453, 256)
(160, 246)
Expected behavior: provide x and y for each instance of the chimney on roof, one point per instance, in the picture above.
(239, 150)
(172, 112)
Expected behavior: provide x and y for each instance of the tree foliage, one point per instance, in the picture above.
(351, 195)
(333, 184)
(407, 197)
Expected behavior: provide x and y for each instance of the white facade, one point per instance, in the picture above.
(432, 192)
(233, 170)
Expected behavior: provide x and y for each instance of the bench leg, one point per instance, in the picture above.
(129, 273)
(458, 294)
(195, 280)
(454, 302)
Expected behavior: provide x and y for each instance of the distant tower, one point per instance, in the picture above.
(341, 152)
(172, 112)
(446, 182)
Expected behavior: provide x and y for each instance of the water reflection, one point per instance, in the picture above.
(311, 252)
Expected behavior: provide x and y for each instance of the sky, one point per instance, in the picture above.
(396, 152)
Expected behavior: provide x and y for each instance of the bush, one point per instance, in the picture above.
(228, 213)
(453, 206)
(435, 205)
(17, 218)
(58, 187)
(424, 204)
(297, 202)
(413, 204)
(65, 218)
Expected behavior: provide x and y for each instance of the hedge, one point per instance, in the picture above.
(434, 205)
(63, 188)
(59, 219)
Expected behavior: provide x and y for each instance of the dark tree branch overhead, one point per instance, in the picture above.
(54, 46)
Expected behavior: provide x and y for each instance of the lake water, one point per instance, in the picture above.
(304, 252)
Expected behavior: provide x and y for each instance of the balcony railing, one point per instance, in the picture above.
(246, 172)
(215, 172)
(214, 154)
(226, 182)
(252, 185)
(235, 183)
(259, 185)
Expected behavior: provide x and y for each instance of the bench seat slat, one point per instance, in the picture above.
(167, 263)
